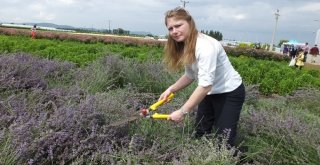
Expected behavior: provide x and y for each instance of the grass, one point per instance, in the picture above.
(7, 154)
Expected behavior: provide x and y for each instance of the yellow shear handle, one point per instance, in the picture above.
(159, 116)
(160, 102)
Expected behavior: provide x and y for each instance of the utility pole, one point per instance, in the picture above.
(274, 30)
(109, 27)
(317, 41)
(184, 3)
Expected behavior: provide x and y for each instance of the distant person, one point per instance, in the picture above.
(285, 50)
(257, 46)
(314, 51)
(34, 31)
(292, 51)
(305, 51)
(220, 92)
(299, 58)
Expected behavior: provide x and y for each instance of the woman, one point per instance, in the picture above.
(220, 93)
(34, 31)
(300, 59)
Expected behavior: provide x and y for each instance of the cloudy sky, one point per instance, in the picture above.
(246, 20)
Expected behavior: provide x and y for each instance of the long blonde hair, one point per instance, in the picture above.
(179, 54)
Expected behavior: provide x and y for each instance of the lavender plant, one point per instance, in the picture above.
(278, 131)
(68, 120)
(61, 126)
(209, 151)
(149, 76)
(22, 71)
(7, 153)
(102, 75)
(112, 72)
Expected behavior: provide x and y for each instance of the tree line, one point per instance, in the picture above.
(215, 34)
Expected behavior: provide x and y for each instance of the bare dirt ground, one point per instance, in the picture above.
(309, 57)
(310, 65)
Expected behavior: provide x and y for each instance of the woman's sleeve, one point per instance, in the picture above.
(207, 63)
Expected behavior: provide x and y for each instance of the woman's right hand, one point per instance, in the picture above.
(165, 94)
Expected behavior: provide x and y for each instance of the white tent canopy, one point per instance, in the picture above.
(294, 42)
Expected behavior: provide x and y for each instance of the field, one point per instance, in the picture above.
(60, 98)
(312, 66)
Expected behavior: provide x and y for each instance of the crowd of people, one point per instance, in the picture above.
(299, 54)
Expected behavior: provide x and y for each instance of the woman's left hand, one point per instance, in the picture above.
(176, 116)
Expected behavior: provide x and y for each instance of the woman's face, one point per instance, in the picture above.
(179, 29)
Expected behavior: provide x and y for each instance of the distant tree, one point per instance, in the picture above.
(115, 31)
(282, 41)
(120, 31)
(211, 33)
(215, 34)
(107, 31)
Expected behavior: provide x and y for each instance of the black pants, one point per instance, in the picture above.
(220, 112)
(305, 56)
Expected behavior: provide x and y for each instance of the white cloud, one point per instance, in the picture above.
(39, 11)
(310, 7)
(36, 7)
(45, 16)
(239, 16)
(66, 2)
(248, 19)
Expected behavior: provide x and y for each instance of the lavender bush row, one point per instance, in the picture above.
(256, 53)
(57, 125)
(282, 131)
(112, 72)
(83, 37)
(102, 75)
(66, 124)
(22, 71)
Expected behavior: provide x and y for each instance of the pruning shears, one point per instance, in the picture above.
(147, 113)
(150, 112)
